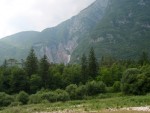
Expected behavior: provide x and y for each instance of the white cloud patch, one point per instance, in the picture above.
(23, 15)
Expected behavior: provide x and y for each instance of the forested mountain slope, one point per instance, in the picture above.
(124, 31)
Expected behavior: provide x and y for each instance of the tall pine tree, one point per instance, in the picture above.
(92, 64)
(43, 71)
(31, 64)
(84, 69)
(144, 59)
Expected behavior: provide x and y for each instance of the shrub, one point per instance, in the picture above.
(49, 96)
(117, 86)
(62, 95)
(81, 92)
(23, 97)
(35, 98)
(135, 82)
(5, 99)
(71, 89)
(94, 88)
(109, 89)
(15, 104)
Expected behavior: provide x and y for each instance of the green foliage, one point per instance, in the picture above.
(5, 99)
(49, 96)
(5, 78)
(84, 69)
(135, 82)
(81, 92)
(129, 79)
(144, 59)
(35, 83)
(117, 86)
(95, 87)
(92, 64)
(62, 95)
(43, 71)
(72, 74)
(71, 89)
(31, 64)
(19, 81)
(23, 97)
(106, 76)
(35, 98)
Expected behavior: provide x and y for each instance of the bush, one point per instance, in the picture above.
(35, 99)
(5, 99)
(62, 95)
(135, 82)
(117, 86)
(23, 97)
(15, 104)
(94, 88)
(71, 89)
(81, 92)
(49, 96)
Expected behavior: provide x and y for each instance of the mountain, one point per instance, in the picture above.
(58, 42)
(17, 45)
(117, 28)
(123, 32)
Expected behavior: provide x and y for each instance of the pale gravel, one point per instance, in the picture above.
(144, 109)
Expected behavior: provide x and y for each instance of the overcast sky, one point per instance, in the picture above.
(24, 15)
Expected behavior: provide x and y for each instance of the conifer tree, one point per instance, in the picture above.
(92, 64)
(5, 64)
(31, 64)
(144, 59)
(84, 68)
(43, 71)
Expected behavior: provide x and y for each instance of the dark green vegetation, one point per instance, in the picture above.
(41, 82)
(113, 36)
(118, 28)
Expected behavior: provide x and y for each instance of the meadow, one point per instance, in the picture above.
(107, 103)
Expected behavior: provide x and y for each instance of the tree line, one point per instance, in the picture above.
(56, 82)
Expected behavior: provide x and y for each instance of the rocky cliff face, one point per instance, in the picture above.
(63, 39)
(59, 42)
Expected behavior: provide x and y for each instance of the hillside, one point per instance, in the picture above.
(58, 42)
(118, 28)
(124, 31)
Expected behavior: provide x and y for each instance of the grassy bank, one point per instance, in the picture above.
(96, 104)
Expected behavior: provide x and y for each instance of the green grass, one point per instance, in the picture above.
(96, 104)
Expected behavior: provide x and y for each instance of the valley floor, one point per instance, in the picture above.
(99, 104)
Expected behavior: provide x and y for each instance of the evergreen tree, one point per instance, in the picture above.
(144, 58)
(84, 70)
(31, 64)
(43, 71)
(5, 64)
(92, 64)
(19, 81)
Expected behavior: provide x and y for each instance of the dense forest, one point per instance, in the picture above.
(38, 81)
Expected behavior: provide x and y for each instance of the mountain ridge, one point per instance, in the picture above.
(123, 33)
(112, 28)
(60, 41)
